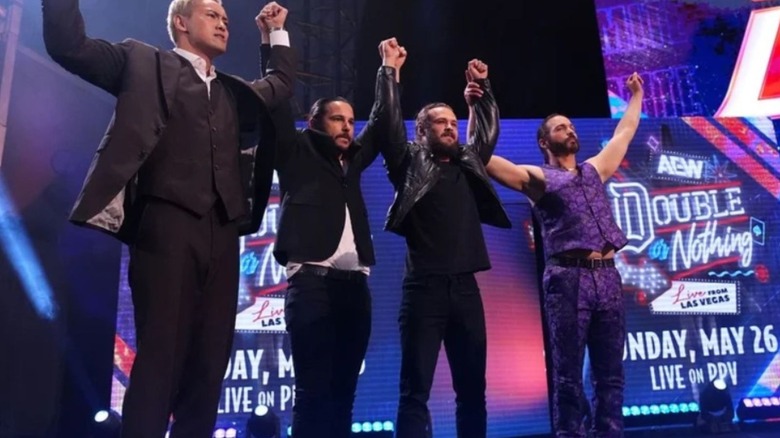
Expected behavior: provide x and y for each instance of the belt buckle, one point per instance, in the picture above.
(316, 270)
(601, 263)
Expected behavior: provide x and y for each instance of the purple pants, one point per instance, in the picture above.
(585, 307)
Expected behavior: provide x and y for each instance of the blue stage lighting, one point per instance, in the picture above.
(21, 256)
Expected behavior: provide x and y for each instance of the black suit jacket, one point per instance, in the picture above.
(314, 187)
(144, 81)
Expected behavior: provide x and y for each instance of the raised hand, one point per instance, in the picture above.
(392, 53)
(401, 57)
(271, 16)
(634, 83)
(476, 70)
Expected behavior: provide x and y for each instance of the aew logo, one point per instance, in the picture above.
(755, 84)
(680, 166)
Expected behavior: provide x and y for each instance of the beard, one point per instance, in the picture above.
(443, 146)
(563, 148)
(345, 138)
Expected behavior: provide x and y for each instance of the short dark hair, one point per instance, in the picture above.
(422, 117)
(541, 132)
(320, 108)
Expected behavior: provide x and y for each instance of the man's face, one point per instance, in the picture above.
(206, 28)
(339, 123)
(441, 130)
(561, 138)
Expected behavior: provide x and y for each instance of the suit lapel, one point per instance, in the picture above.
(323, 146)
(169, 68)
(333, 163)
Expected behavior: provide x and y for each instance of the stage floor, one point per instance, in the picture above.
(764, 430)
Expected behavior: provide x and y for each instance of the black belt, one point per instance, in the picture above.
(337, 274)
(569, 262)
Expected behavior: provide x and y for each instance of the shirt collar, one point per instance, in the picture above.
(327, 141)
(197, 62)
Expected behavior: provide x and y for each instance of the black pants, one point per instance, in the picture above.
(184, 279)
(329, 322)
(438, 308)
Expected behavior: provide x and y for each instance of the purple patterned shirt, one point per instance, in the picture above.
(574, 212)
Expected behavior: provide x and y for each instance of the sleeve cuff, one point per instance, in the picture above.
(388, 70)
(280, 38)
(483, 83)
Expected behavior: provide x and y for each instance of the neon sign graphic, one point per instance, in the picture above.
(682, 167)
(704, 224)
(261, 274)
(262, 277)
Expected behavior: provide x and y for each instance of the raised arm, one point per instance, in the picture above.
(472, 92)
(483, 110)
(277, 59)
(283, 118)
(270, 21)
(277, 75)
(382, 129)
(526, 179)
(393, 143)
(97, 61)
(608, 160)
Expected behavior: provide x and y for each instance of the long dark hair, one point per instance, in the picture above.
(320, 108)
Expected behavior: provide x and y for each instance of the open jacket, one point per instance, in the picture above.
(315, 188)
(413, 170)
(144, 79)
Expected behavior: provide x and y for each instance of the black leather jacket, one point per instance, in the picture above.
(413, 170)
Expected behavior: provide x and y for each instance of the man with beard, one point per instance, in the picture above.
(582, 289)
(178, 177)
(324, 240)
(442, 194)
